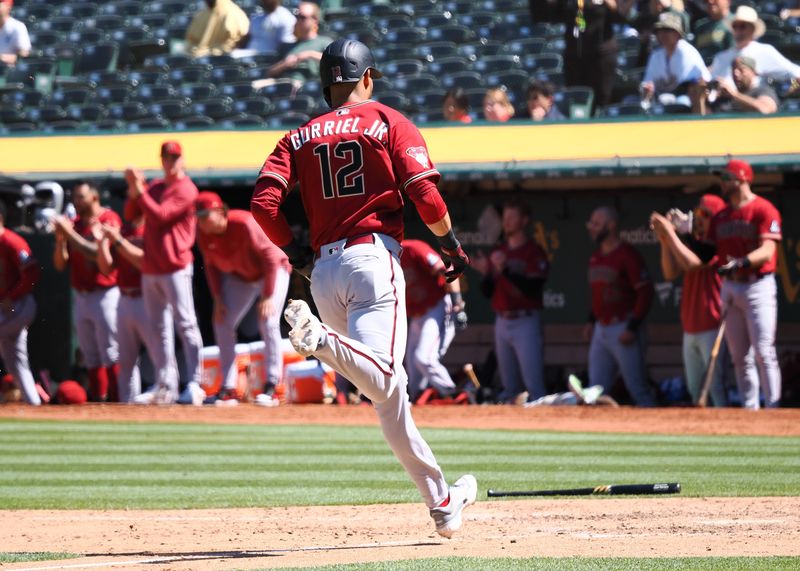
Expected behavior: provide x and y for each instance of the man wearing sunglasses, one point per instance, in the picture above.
(302, 60)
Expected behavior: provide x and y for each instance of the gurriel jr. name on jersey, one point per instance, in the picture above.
(377, 130)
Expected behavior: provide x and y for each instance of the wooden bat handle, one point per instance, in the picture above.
(470, 372)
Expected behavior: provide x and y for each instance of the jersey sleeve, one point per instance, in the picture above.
(769, 222)
(279, 166)
(410, 155)
(639, 277)
(29, 270)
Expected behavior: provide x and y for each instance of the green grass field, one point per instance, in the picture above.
(125, 465)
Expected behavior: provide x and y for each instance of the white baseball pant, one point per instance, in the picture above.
(238, 296)
(361, 291)
(429, 337)
(607, 355)
(14, 346)
(173, 291)
(95, 315)
(519, 345)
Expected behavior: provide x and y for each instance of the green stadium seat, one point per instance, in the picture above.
(21, 127)
(170, 109)
(449, 65)
(106, 125)
(397, 68)
(198, 91)
(190, 74)
(282, 88)
(428, 101)
(434, 50)
(89, 113)
(451, 33)
(288, 120)
(514, 80)
(216, 107)
(64, 126)
(464, 80)
(81, 10)
(395, 100)
(575, 102)
(260, 106)
(194, 122)
(243, 120)
(148, 124)
(97, 57)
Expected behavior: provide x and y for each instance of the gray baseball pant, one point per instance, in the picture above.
(238, 296)
(429, 336)
(173, 291)
(696, 359)
(14, 346)
(95, 315)
(518, 343)
(607, 355)
(752, 321)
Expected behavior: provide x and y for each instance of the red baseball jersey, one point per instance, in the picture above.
(620, 285)
(129, 276)
(424, 272)
(700, 299)
(242, 250)
(528, 260)
(169, 214)
(739, 231)
(84, 274)
(352, 163)
(19, 270)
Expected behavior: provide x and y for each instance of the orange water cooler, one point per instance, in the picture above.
(309, 382)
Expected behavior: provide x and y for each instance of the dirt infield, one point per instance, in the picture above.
(305, 536)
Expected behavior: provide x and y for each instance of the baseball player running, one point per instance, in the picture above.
(353, 163)
(122, 249)
(431, 303)
(621, 296)
(168, 206)
(241, 265)
(513, 277)
(744, 236)
(96, 295)
(19, 272)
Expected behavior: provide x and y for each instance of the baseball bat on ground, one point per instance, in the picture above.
(702, 398)
(611, 490)
(469, 370)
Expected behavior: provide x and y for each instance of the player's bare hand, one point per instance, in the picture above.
(135, 179)
(110, 232)
(587, 332)
(62, 224)
(660, 225)
(727, 88)
(627, 337)
(455, 262)
(498, 260)
(266, 308)
(480, 263)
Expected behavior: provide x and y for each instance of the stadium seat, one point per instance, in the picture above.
(265, 59)
(410, 36)
(464, 80)
(194, 122)
(304, 104)
(12, 113)
(131, 34)
(148, 77)
(151, 93)
(790, 106)
(475, 98)
(575, 102)
(449, 65)
(113, 93)
(476, 50)
(97, 57)
(622, 110)
(170, 109)
(243, 120)
(152, 21)
(170, 7)
(428, 21)
(395, 100)
(312, 88)
(432, 117)
(525, 46)
(190, 74)
(260, 106)
(63, 126)
(434, 50)
(89, 113)
(514, 80)
(148, 124)
(27, 97)
(81, 10)
(21, 127)
(389, 52)
(452, 33)
(238, 90)
(215, 61)
(35, 14)
(393, 22)
(280, 89)
(131, 111)
(86, 36)
(416, 83)
(198, 91)
(72, 96)
(401, 67)
(122, 8)
(215, 107)
(63, 24)
(45, 114)
(498, 63)
(228, 73)
(106, 22)
(542, 63)
(106, 125)
(288, 120)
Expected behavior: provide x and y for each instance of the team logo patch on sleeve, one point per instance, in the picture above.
(775, 227)
(420, 154)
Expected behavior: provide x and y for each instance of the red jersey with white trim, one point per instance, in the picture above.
(242, 250)
(620, 284)
(19, 270)
(528, 260)
(130, 277)
(352, 164)
(700, 299)
(84, 274)
(739, 231)
(423, 269)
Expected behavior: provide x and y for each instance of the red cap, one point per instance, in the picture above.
(206, 201)
(711, 203)
(70, 392)
(171, 148)
(741, 170)
(9, 2)
(6, 381)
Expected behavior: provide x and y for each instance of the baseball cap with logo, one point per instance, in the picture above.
(208, 201)
(171, 148)
(711, 203)
(70, 392)
(736, 169)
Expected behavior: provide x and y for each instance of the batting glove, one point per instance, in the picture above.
(453, 255)
(461, 320)
(681, 221)
(300, 257)
(733, 265)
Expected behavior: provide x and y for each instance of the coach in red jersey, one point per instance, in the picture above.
(168, 206)
(744, 236)
(621, 296)
(96, 294)
(513, 278)
(700, 296)
(353, 165)
(19, 272)
(241, 266)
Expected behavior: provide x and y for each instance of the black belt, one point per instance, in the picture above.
(516, 313)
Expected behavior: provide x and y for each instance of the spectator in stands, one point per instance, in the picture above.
(302, 60)
(541, 102)
(674, 66)
(14, 40)
(746, 93)
(747, 28)
(787, 13)
(621, 293)
(714, 33)
(648, 17)
(496, 105)
(455, 106)
(590, 56)
(272, 29)
(216, 29)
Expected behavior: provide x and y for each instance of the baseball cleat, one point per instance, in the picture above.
(306, 333)
(462, 494)
(296, 310)
(193, 394)
(157, 394)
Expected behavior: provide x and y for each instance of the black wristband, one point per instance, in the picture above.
(449, 241)
(744, 262)
(633, 324)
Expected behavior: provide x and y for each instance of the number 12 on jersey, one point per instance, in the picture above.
(348, 180)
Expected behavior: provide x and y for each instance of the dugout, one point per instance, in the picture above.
(563, 170)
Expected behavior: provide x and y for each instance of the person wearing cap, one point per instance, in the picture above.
(216, 29)
(747, 28)
(14, 39)
(120, 249)
(301, 62)
(96, 295)
(714, 34)
(746, 93)
(168, 207)
(241, 266)
(744, 237)
(700, 295)
(674, 66)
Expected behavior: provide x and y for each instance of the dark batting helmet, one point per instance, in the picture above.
(345, 61)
